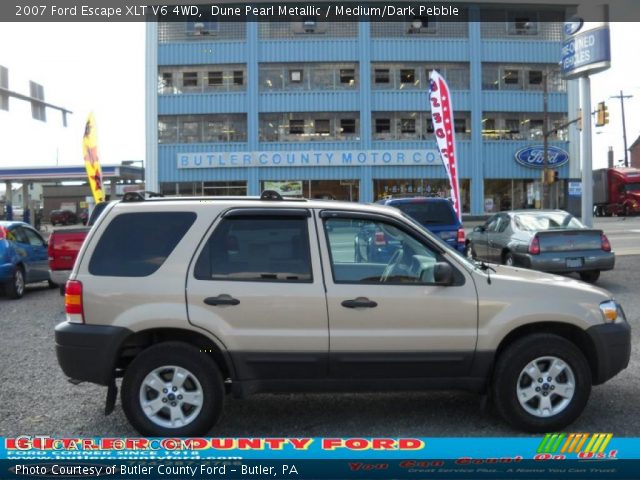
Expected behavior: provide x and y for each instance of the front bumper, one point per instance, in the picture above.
(613, 349)
(89, 352)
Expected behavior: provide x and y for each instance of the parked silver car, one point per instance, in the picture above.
(547, 240)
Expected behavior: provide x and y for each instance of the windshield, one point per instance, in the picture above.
(531, 222)
(429, 213)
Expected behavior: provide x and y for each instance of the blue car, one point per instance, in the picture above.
(435, 214)
(23, 258)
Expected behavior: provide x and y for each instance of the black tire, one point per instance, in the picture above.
(509, 260)
(14, 288)
(52, 284)
(591, 276)
(626, 211)
(173, 354)
(509, 375)
(62, 289)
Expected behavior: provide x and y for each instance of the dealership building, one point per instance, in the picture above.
(340, 109)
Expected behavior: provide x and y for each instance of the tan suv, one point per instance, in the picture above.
(190, 299)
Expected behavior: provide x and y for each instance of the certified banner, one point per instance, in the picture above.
(91, 160)
(443, 127)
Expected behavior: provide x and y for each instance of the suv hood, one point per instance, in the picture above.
(539, 286)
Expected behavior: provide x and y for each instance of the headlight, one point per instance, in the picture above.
(612, 312)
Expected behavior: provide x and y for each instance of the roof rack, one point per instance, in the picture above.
(267, 195)
(139, 196)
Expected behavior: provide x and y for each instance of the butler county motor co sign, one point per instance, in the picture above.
(339, 158)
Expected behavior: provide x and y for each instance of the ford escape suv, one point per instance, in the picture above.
(191, 299)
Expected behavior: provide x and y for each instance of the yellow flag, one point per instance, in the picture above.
(91, 161)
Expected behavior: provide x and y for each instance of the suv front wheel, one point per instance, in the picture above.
(172, 389)
(541, 383)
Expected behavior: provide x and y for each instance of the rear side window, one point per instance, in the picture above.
(429, 213)
(257, 248)
(137, 244)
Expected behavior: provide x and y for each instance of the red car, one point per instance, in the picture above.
(63, 217)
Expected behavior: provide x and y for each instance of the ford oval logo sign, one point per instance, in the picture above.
(534, 157)
(572, 26)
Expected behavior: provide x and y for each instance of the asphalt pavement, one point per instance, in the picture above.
(36, 398)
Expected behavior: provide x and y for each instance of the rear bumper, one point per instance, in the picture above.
(613, 349)
(556, 262)
(59, 277)
(89, 352)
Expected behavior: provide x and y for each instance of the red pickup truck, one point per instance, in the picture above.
(64, 245)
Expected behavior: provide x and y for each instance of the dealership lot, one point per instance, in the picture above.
(36, 398)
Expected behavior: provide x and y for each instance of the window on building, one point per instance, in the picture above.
(489, 128)
(347, 76)
(429, 126)
(167, 79)
(522, 24)
(295, 76)
(460, 125)
(215, 78)
(383, 125)
(322, 126)
(408, 125)
(512, 127)
(535, 77)
(296, 127)
(238, 77)
(511, 77)
(190, 79)
(407, 75)
(382, 76)
(536, 128)
(348, 125)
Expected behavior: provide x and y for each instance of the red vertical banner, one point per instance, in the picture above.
(443, 127)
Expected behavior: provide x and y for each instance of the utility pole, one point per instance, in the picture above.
(624, 127)
(545, 134)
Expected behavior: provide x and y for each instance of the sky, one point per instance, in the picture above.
(100, 67)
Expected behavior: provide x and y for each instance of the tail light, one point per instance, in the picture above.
(50, 248)
(379, 239)
(534, 246)
(461, 235)
(3, 233)
(604, 243)
(73, 302)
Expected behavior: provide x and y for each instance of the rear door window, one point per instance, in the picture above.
(429, 213)
(137, 244)
(257, 248)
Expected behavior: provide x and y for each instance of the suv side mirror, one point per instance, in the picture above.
(442, 273)
(479, 229)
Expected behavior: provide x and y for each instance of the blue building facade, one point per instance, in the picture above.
(340, 110)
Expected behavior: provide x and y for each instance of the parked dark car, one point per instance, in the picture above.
(23, 258)
(63, 217)
(548, 240)
(435, 214)
(84, 216)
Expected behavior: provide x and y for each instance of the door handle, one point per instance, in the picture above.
(360, 302)
(223, 299)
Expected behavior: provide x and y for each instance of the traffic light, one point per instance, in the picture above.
(602, 115)
(550, 176)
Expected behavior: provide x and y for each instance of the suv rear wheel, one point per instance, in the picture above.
(541, 383)
(172, 389)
